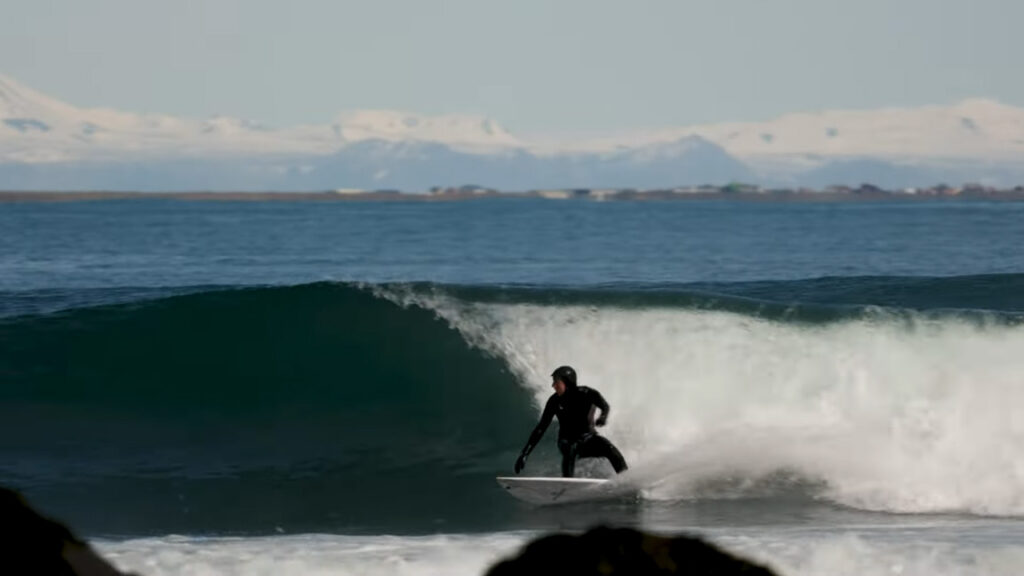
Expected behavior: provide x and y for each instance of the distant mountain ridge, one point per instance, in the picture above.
(48, 144)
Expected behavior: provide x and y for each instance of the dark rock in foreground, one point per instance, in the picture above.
(33, 544)
(621, 551)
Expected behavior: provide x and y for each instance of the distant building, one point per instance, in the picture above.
(740, 188)
(603, 194)
(974, 188)
(464, 190)
(868, 189)
(554, 194)
(349, 191)
(474, 189)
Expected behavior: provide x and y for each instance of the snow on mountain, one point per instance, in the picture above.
(37, 128)
(17, 101)
(974, 129)
(976, 138)
(34, 125)
(464, 132)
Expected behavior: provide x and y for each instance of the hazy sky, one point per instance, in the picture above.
(535, 66)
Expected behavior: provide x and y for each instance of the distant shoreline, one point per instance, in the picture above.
(447, 195)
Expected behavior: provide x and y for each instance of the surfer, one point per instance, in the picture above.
(574, 406)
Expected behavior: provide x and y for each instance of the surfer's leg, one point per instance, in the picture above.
(568, 450)
(615, 457)
(568, 465)
(599, 447)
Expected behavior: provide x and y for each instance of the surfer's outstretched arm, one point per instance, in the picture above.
(536, 435)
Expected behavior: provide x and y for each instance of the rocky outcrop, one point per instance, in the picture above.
(31, 543)
(620, 551)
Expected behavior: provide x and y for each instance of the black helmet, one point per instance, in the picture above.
(565, 374)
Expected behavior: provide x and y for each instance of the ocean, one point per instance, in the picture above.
(219, 387)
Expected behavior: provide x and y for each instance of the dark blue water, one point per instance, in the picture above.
(175, 243)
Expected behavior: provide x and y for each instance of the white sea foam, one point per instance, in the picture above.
(855, 555)
(800, 553)
(311, 555)
(886, 414)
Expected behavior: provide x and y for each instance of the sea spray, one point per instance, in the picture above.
(896, 412)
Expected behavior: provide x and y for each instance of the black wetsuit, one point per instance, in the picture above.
(577, 437)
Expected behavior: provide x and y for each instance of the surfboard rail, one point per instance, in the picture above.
(549, 490)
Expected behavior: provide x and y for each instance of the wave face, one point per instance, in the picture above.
(252, 409)
(342, 407)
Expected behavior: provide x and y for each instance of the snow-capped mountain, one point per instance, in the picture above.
(51, 144)
(974, 130)
(37, 128)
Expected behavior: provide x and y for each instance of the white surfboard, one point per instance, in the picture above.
(552, 490)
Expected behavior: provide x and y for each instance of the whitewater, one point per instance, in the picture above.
(704, 395)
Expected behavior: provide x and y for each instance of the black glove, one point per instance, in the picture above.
(601, 420)
(520, 463)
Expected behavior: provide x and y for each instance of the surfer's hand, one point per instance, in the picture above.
(520, 463)
(601, 420)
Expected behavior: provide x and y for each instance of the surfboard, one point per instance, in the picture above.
(552, 490)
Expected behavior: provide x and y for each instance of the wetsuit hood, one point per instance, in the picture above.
(566, 374)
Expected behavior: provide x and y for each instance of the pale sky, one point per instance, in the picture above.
(535, 66)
